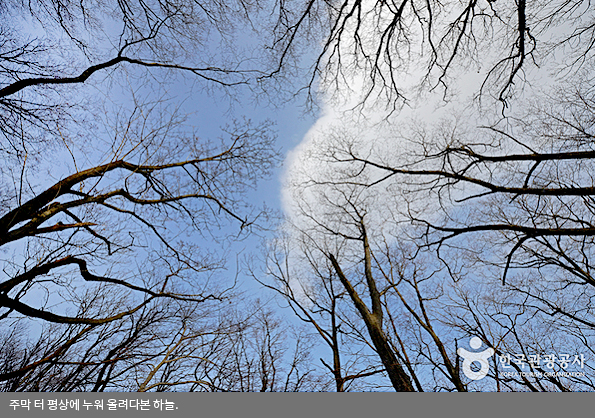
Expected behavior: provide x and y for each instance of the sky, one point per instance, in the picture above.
(303, 138)
(207, 112)
(379, 130)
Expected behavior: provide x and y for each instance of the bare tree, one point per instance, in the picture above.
(502, 190)
(388, 41)
(397, 293)
(313, 292)
(523, 184)
(505, 205)
(258, 352)
(116, 213)
(111, 211)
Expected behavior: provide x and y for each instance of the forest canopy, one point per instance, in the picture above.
(442, 203)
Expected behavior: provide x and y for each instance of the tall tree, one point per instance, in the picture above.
(113, 205)
(503, 195)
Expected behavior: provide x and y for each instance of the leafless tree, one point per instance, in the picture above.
(506, 206)
(112, 211)
(523, 184)
(166, 347)
(397, 294)
(387, 41)
(259, 352)
(313, 292)
(503, 195)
